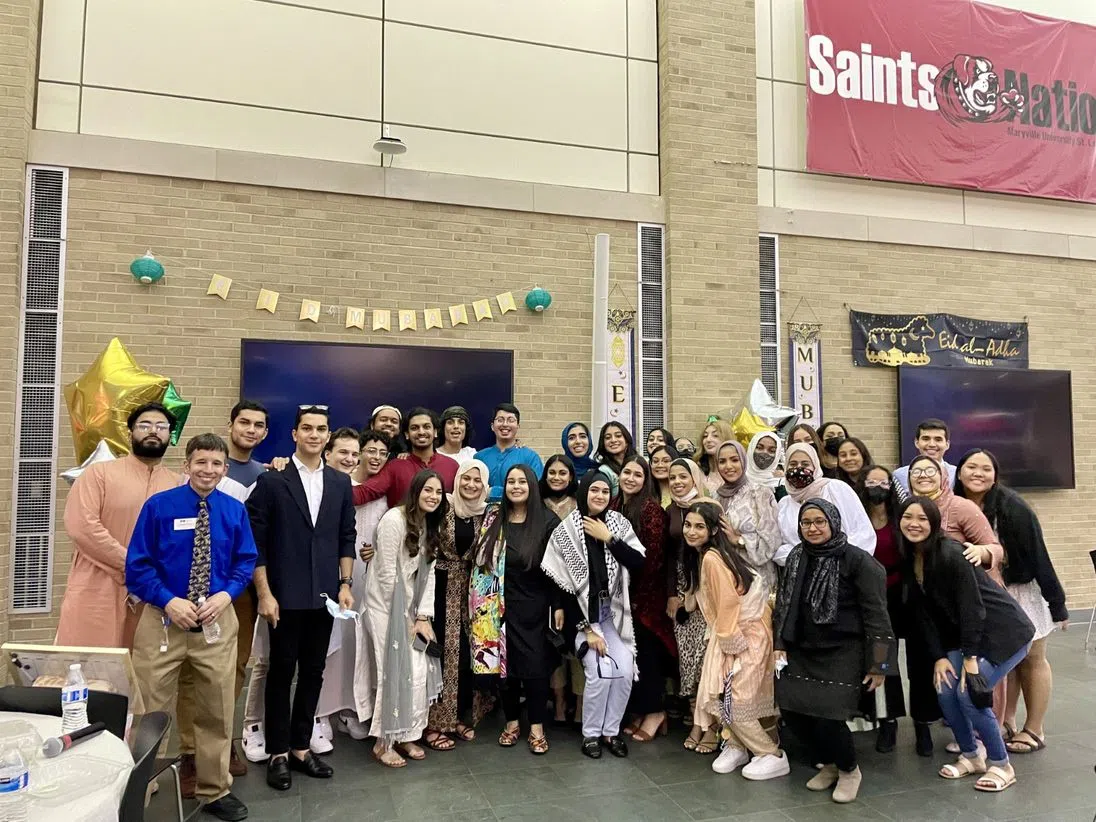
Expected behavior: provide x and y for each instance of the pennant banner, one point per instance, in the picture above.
(458, 314)
(268, 300)
(310, 310)
(805, 348)
(382, 319)
(432, 317)
(482, 309)
(408, 320)
(506, 302)
(219, 285)
(355, 318)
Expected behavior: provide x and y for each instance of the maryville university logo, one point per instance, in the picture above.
(966, 90)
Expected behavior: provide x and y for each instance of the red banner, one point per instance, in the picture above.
(952, 93)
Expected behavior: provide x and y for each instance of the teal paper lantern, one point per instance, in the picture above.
(147, 269)
(538, 299)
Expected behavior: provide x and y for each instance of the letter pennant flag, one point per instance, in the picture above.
(482, 309)
(382, 319)
(268, 300)
(433, 318)
(408, 320)
(506, 302)
(355, 318)
(219, 285)
(310, 310)
(458, 314)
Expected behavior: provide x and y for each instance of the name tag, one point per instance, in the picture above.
(186, 523)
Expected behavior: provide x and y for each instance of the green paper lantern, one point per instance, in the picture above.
(177, 406)
(538, 299)
(147, 269)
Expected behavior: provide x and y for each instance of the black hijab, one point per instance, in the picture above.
(595, 549)
(812, 575)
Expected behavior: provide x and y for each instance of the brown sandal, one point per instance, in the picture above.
(538, 745)
(707, 744)
(437, 741)
(390, 759)
(466, 732)
(509, 739)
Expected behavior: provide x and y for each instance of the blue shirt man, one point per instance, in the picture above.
(191, 554)
(933, 438)
(506, 453)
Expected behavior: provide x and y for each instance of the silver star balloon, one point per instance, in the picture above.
(102, 453)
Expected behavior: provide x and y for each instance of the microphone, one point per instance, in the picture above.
(56, 745)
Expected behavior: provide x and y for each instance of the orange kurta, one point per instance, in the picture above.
(100, 514)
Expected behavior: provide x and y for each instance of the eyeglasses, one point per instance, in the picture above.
(877, 484)
(611, 669)
(506, 420)
(929, 471)
(808, 524)
(310, 406)
(374, 452)
(158, 427)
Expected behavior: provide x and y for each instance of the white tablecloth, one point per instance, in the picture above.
(99, 804)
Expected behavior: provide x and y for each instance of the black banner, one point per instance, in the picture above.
(936, 339)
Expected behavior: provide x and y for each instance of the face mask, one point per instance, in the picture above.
(832, 446)
(799, 477)
(876, 495)
(337, 612)
(763, 460)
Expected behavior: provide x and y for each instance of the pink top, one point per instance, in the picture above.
(963, 521)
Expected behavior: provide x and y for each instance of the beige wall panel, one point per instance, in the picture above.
(846, 195)
(474, 155)
(362, 8)
(765, 185)
(593, 25)
(62, 40)
(790, 126)
(222, 125)
(508, 89)
(58, 107)
(765, 123)
(260, 53)
(1079, 11)
(1030, 214)
(764, 31)
(788, 41)
(642, 29)
(643, 174)
(643, 106)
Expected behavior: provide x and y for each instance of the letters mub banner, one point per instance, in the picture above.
(952, 93)
(936, 339)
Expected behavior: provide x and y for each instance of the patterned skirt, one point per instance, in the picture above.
(691, 645)
(1029, 596)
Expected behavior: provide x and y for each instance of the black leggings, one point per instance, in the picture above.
(829, 741)
(536, 699)
(653, 660)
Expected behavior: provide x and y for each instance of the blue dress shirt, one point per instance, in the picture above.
(499, 464)
(161, 549)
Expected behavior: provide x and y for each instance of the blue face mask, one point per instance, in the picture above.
(337, 612)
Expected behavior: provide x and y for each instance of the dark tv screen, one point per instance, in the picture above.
(1025, 417)
(353, 378)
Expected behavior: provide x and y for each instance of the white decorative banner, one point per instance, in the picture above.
(806, 371)
(619, 395)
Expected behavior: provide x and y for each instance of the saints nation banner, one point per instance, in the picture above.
(952, 93)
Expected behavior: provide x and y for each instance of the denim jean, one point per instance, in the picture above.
(964, 719)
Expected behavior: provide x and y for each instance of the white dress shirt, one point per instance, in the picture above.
(313, 486)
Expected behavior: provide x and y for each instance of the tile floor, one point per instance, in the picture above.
(481, 782)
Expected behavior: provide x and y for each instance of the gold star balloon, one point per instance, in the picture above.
(101, 399)
(745, 424)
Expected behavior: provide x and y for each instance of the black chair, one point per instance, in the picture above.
(149, 732)
(110, 709)
(1092, 615)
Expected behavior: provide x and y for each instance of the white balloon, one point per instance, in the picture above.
(102, 453)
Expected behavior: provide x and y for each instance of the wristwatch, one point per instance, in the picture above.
(583, 626)
(348, 581)
(741, 541)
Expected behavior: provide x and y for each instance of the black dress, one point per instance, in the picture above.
(530, 598)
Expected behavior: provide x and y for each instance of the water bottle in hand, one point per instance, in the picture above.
(74, 701)
(13, 785)
(211, 630)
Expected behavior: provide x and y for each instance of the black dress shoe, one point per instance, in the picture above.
(277, 773)
(228, 807)
(887, 736)
(923, 731)
(617, 746)
(310, 766)
(591, 747)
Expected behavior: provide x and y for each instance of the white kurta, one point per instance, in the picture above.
(380, 583)
(350, 672)
(854, 519)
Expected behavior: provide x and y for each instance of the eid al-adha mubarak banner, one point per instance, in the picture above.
(952, 93)
(936, 339)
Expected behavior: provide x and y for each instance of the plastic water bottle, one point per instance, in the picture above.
(211, 630)
(13, 785)
(74, 701)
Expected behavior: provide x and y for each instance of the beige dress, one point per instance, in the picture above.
(740, 631)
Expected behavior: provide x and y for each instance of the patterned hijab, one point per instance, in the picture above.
(463, 508)
(812, 575)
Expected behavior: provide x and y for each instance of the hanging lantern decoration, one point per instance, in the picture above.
(538, 299)
(147, 269)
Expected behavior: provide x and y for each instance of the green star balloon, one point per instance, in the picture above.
(179, 407)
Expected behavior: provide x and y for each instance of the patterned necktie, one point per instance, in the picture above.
(199, 566)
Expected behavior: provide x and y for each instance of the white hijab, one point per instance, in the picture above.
(764, 476)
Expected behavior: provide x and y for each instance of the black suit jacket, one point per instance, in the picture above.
(301, 560)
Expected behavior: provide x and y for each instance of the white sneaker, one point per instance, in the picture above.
(769, 766)
(255, 743)
(349, 724)
(320, 744)
(730, 760)
(325, 727)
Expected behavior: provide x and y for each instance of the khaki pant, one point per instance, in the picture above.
(211, 669)
(246, 609)
(752, 737)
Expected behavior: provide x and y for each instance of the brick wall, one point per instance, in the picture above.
(1057, 298)
(338, 249)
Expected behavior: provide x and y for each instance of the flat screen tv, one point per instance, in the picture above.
(1025, 417)
(353, 378)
